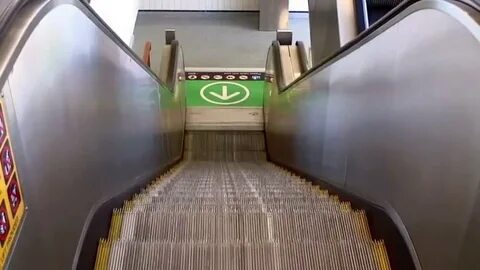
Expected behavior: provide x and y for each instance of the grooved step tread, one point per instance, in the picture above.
(226, 207)
(238, 215)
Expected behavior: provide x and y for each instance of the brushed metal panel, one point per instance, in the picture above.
(6, 5)
(273, 15)
(324, 33)
(347, 21)
(395, 120)
(89, 122)
(469, 253)
(6, 8)
(332, 25)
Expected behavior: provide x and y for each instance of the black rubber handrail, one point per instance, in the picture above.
(383, 3)
(277, 65)
(303, 56)
(171, 79)
(365, 34)
(9, 12)
(358, 40)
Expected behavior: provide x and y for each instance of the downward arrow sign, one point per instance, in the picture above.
(225, 96)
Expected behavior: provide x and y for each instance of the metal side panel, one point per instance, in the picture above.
(273, 15)
(89, 122)
(395, 119)
(324, 28)
(6, 7)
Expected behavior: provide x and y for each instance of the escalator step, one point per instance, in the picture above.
(230, 213)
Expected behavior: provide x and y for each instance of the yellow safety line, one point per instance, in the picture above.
(113, 221)
(379, 253)
(365, 225)
(99, 255)
(383, 250)
(103, 255)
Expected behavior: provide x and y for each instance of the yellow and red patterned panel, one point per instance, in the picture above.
(12, 206)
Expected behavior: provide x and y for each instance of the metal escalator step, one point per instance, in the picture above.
(294, 255)
(228, 208)
(215, 229)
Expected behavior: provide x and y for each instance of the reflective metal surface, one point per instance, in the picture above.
(6, 7)
(332, 25)
(273, 15)
(88, 122)
(324, 33)
(290, 63)
(395, 119)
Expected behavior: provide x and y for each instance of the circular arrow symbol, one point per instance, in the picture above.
(225, 96)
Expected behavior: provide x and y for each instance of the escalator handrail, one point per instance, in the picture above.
(277, 65)
(360, 40)
(9, 11)
(383, 3)
(171, 78)
(303, 56)
(33, 12)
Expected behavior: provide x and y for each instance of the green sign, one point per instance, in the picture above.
(215, 93)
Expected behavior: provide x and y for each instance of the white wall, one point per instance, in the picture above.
(199, 4)
(295, 5)
(298, 5)
(119, 15)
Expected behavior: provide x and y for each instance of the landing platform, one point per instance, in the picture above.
(225, 99)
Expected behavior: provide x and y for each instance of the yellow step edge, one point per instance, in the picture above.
(113, 222)
(376, 255)
(119, 224)
(356, 222)
(335, 198)
(103, 255)
(383, 250)
(380, 259)
(359, 225)
(346, 206)
(364, 223)
(98, 259)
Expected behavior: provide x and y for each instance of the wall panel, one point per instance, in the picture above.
(210, 5)
(296, 5)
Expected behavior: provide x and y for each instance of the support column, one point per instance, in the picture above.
(273, 15)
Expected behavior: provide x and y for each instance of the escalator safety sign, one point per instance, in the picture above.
(4, 224)
(14, 197)
(12, 206)
(224, 93)
(7, 161)
(3, 129)
(225, 89)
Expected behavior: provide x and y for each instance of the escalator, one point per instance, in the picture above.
(226, 207)
(366, 161)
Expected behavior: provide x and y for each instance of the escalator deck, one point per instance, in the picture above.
(237, 211)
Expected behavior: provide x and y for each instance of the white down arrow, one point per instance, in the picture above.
(225, 96)
(238, 94)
